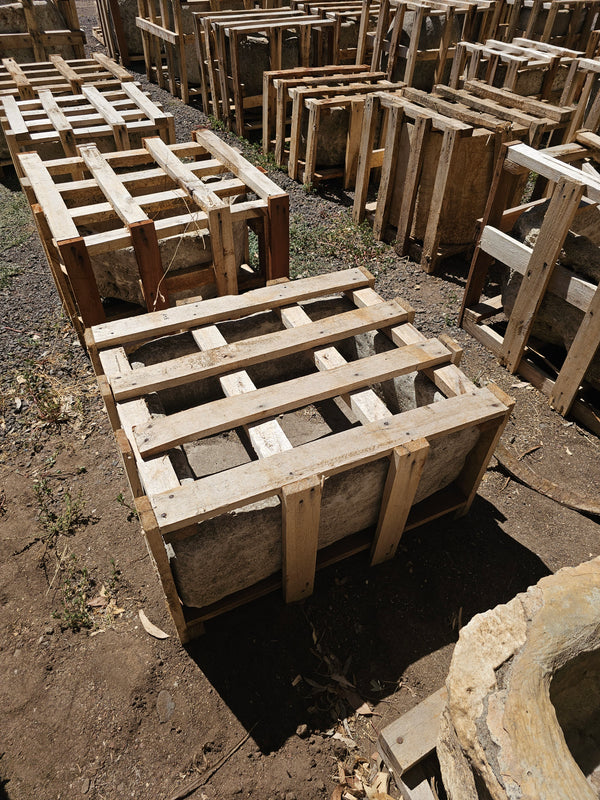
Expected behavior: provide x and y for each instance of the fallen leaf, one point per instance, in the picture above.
(350, 743)
(150, 628)
(365, 710)
(520, 385)
(569, 453)
(113, 609)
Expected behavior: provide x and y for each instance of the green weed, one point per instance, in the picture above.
(58, 515)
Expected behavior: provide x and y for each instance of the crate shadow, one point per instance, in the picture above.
(373, 623)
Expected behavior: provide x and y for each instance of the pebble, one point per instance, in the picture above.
(302, 731)
(165, 706)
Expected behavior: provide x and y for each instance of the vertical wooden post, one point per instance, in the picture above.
(75, 257)
(301, 511)
(363, 170)
(147, 255)
(278, 237)
(421, 131)
(156, 548)
(388, 171)
(555, 226)
(404, 474)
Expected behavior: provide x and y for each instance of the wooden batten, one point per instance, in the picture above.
(299, 478)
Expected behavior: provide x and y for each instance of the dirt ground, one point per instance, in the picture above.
(264, 705)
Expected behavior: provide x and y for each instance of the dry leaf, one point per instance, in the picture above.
(365, 710)
(98, 602)
(150, 628)
(113, 609)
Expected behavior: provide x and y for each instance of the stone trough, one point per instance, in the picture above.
(522, 718)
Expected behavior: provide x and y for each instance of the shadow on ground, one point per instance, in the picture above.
(374, 623)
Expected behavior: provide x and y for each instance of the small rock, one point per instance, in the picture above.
(302, 731)
(85, 785)
(165, 706)
(340, 750)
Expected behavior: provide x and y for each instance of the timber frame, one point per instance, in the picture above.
(43, 42)
(570, 190)
(171, 511)
(122, 192)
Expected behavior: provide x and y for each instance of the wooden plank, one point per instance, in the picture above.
(110, 114)
(111, 185)
(579, 357)
(198, 366)
(555, 226)
(421, 130)
(59, 122)
(221, 415)
(14, 118)
(563, 283)
(267, 438)
(409, 739)
(301, 511)
(404, 475)
(219, 309)
(48, 196)
(552, 169)
(216, 494)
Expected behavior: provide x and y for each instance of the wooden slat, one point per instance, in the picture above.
(409, 739)
(59, 122)
(301, 512)
(258, 349)
(220, 415)
(109, 182)
(221, 308)
(14, 118)
(555, 226)
(249, 483)
(48, 196)
(109, 113)
(563, 283)
(404, 474)
(552, 169)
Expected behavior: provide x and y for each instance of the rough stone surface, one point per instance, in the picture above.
(12, 20)
(557, 321)
(500, 724)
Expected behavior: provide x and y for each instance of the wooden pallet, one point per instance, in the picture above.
(233, 101)
(288, 501)
(562, 22)
(421, 195)
(94, 206)
(59, 76)
(582, 88)
(569, 188)
(423, 68)
(53, 127)
(36, 42)
(523, 66)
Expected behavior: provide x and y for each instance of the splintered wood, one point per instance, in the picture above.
(144, 226)
(536, 284)
(271, 433)
(54, 126)
(40, 29)
(25, 81)
(425, 144)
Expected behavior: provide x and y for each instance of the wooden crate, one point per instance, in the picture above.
(327, 453)
(59, 76)
(352, 23)
(562, 22)
(523, 66)
(146, 209)
(322, 116)
(413, 63)
(276, 101)
(54, 126)
(571, 192)
(237, 95)
(37, 43)
(427, 143)
(582, 88)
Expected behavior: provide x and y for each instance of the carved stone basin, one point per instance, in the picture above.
(523, 714)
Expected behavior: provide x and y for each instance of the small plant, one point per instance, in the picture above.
(47, 403)
(76, 587)
(133, 514)
(216, 124)
(58, 517)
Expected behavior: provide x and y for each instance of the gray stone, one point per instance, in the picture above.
(165, 706)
